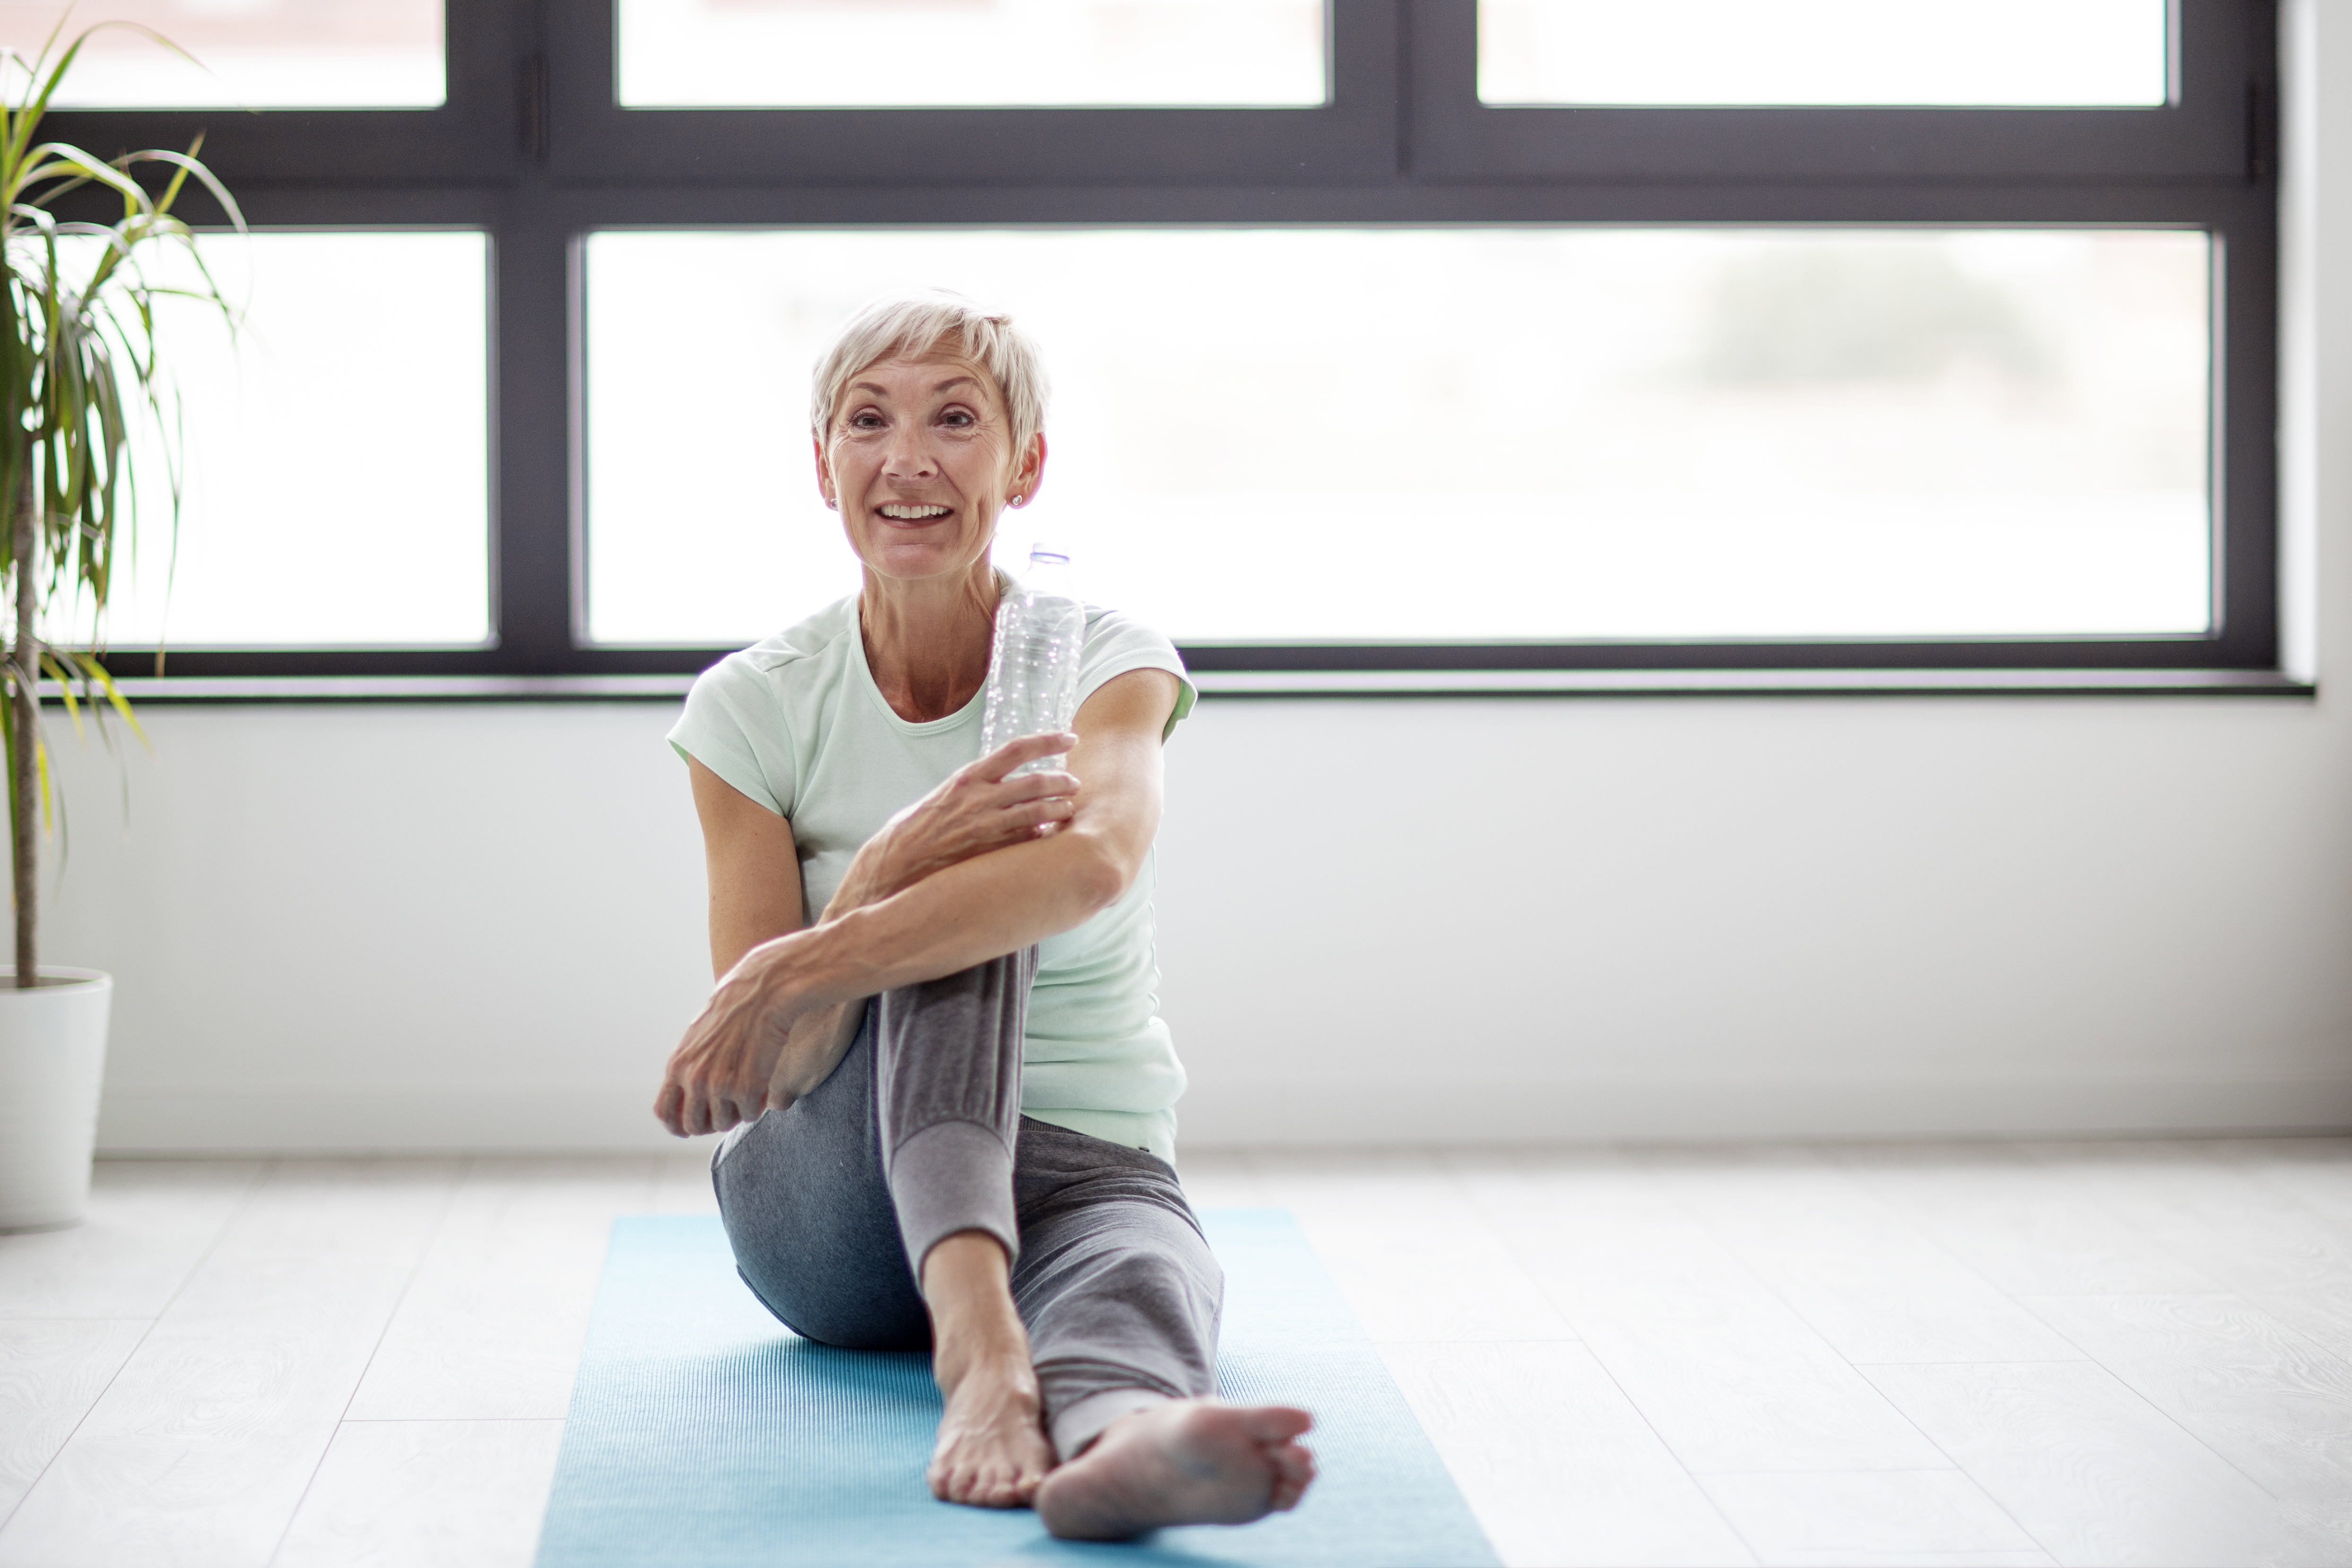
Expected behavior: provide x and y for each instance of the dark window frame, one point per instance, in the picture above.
(530, 148)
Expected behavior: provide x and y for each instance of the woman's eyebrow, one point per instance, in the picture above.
(885, 392)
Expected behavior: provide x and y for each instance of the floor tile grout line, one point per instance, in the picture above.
(1905, 1213)
(1445, 1167)
(423, 1252)
(1609, 1373)
(2261, 1176)
(2038, 1159)
(2025, 1305)
(2284, 1195)
(1886, 1470)
(447, 1420)
(2250, 1303)
(1683, 1205)
(254, 1183)
(2228, 1287)
(1435, 1156)
(1472, 1207)
(2133, 1388)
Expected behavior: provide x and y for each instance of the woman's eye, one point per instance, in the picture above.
(956, 418)
(867, 420)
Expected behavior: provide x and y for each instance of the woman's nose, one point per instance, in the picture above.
(908, 458)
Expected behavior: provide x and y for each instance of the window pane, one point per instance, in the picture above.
(251, 54)
(1472, 435)
(338, 454)
(753, 54)
(1957, 53)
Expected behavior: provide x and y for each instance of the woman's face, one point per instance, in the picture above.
(920, 460)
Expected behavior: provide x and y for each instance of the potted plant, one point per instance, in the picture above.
(79, 366)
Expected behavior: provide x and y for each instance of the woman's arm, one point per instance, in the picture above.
(753, 867)
(756, 892)
(976, 809)
(733, 1063)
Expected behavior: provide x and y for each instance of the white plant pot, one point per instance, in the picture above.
(52, 1058)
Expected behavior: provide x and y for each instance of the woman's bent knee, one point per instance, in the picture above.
(838, 1318)
(817, 1244)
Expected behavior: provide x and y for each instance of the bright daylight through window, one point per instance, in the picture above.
(1960, 53)
(850, 53)
(254, 54)
(1526, 433)
(338, 475)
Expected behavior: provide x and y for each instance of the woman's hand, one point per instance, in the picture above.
(752, 1047)
(977, 809)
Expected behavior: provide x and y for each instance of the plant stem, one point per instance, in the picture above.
(25, 783)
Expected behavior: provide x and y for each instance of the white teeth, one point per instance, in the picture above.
(914, 514)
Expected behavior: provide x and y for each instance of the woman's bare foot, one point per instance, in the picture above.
(991, 1451)
(1191, 1461)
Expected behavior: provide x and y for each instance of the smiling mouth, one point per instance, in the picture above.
(912, 514)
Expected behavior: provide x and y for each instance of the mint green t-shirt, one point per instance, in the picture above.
(797, 724)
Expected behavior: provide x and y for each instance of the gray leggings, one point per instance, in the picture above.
(832, 1203)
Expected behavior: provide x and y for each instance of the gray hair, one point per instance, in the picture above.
(908, 326)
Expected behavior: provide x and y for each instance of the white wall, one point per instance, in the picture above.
(412, 927)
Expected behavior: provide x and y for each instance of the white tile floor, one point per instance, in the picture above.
(1964, 1355)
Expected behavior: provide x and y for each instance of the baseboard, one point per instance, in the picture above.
(315, 1119)
(1730, 1110)
(150, 1119)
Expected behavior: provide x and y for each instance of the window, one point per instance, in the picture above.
(804, 54)
(251, 54)
(1807, 335)
(1665, 433)
(337, 491)
(1975, 54)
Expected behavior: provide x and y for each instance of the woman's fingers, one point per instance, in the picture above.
(1027, 748)
(1012, 822)
(725, 1112)
(1047, 813)
(981, 808)
(694, 1100)
(719, 1074)
(1034, 786)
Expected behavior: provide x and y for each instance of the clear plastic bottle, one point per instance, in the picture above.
(1033, 672)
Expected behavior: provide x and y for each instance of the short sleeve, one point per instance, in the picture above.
(734, 726)
(1116, 644)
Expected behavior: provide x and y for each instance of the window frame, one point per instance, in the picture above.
(531, 148)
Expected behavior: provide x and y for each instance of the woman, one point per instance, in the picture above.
(916, 947)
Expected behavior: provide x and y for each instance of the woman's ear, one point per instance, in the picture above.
(1030, 472)
(824, 472)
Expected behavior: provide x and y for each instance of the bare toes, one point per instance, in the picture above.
(1273, 1424)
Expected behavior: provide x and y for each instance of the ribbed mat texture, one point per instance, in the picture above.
(703, 1432)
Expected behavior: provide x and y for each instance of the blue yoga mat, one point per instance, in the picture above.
(704, 1432)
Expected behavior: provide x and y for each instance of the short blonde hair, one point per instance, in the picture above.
(908, 326)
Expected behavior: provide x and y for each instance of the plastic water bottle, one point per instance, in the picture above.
(1033, 673)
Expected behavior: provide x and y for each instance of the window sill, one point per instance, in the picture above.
(1750, 682)
(1290, 684)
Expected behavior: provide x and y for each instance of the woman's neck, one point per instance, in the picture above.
(927, 643)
